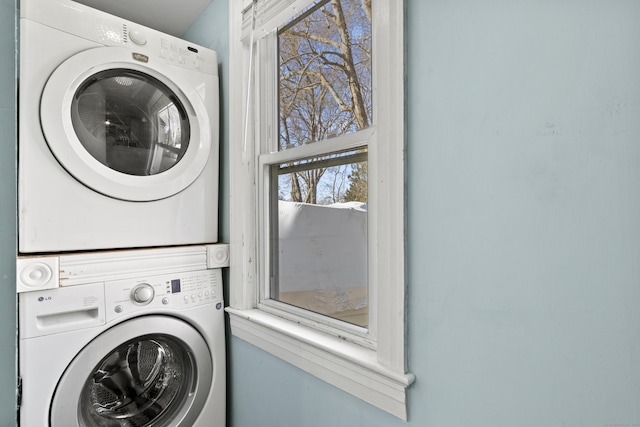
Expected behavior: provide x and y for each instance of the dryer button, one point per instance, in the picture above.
(138, 37)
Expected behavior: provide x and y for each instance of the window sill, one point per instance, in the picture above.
(348, 366)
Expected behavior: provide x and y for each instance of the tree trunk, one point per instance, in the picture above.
(359, 108)
(296, 193)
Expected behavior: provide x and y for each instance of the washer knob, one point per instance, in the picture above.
(142, 294)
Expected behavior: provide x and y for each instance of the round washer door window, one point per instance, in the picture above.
(124, 378)
(131, 130)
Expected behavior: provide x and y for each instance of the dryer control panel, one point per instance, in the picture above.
(174, 291)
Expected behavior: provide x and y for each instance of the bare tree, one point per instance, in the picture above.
(325, 81)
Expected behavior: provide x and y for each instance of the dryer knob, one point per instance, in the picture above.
(142, 294)
(138, 37)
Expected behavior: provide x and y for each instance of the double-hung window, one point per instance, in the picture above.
(317, 184)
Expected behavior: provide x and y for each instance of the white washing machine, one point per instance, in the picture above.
(118, 143)
(144, 351)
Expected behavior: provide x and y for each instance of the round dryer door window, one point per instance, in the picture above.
(124, 378)
(142, 134)
(131, 130)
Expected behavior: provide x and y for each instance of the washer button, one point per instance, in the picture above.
(118, 309)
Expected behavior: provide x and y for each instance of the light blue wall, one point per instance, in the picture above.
(8, 341)
(524, 212)
(523, 224)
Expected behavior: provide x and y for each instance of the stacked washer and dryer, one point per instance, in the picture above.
(119, 274)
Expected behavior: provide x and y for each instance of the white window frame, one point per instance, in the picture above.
(370, 364)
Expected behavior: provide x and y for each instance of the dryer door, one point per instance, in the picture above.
(129, 126)
(149, 371)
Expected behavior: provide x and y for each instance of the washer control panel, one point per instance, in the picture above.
(176, 291)
(195, 288)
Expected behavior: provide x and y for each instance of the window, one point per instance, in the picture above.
(316, 197)
(317, 270)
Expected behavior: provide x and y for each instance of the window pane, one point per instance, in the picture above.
(325, 73)
(319, 244)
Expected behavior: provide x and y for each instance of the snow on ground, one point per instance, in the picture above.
(322, 246)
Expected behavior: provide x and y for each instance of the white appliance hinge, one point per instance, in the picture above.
(19, 392)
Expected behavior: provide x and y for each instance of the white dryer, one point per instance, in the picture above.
(145, 351)
(118, 143)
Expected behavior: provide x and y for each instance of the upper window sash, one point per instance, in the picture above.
(266, 78)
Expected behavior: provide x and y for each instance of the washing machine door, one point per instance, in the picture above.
(149, 371)
(128, 126)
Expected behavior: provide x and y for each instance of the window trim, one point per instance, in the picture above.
(374, 371)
